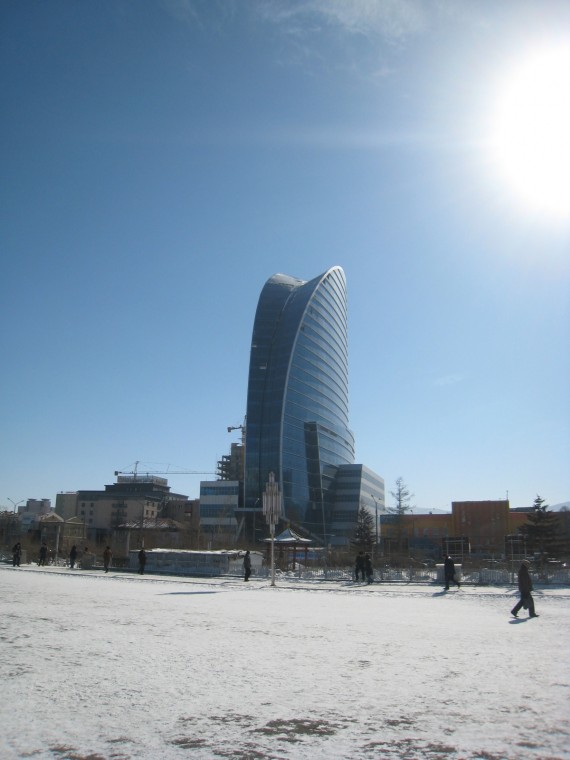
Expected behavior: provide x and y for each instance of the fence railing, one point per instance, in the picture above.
(483, 576)
(467, 576)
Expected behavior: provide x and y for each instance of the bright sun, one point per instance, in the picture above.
(531, 131)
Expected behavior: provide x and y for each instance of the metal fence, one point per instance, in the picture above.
(467, 576)
(481, 576)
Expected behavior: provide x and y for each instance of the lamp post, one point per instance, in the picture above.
(378, 525)
(141, 536)
(15, 503)
(272, 512)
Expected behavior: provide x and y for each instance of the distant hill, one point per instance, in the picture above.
(564, 505)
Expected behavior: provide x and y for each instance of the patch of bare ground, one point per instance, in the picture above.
(70, 753)
(296, 729)
(188, 742)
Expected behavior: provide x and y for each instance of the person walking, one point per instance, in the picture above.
(73, 556)
(525, 589)
(247, 566)
(16, 554)
(449, 572)
(359, 567)
(142, 561)
(107, 554)
(368, 569)
(43, 554)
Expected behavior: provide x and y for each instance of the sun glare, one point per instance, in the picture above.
(531, 131)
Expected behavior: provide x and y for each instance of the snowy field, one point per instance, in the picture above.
(96, 666)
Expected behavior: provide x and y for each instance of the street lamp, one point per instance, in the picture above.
(272, 512)
(144, 505)
(15, 503)
(378, 525)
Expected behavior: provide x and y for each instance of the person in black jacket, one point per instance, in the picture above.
(359, 566)
(368, 569)
(16, 554)
(142, 561)
(43, 554)
(246, 566)
(107, 556)
(73, 556)
(449, 572)
(525, 589)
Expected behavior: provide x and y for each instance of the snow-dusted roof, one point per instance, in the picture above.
(202, 552)
(153, 523)
(52, 517)
(289, 536)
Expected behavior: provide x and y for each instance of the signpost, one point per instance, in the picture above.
(272, 512)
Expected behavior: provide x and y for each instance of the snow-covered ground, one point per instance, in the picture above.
(121, 666)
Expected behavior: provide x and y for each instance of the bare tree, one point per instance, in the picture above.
(402, 498)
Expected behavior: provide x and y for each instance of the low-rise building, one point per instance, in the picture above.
(478, 528)
(132, 499)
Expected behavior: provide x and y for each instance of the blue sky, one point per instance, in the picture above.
(162, 159)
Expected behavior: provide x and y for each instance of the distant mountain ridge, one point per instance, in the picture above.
(563, 506)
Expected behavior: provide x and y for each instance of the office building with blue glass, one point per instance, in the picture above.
(297, 410)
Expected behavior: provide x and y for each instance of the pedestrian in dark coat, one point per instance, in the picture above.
(16, 554)
(107, 558)
(368, 569)
(246, 566)
(525, 589)
(43, 553)
(449, 572)
(142, 561)
(359, 567)
(73, 556)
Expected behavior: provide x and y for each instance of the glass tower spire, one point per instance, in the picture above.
(297, 401)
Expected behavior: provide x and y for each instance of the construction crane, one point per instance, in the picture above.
(135, 472)
(239, 427)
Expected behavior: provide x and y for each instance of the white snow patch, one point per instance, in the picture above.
(97, 666)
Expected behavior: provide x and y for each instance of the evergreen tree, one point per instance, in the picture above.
(364, 536)
(541, 530)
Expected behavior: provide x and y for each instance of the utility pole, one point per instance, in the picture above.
(272, 512)
(378, 525)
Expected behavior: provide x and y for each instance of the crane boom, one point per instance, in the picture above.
(164, 472)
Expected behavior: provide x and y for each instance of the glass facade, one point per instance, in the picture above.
(219, 500)
(356, 487)
(297, 404)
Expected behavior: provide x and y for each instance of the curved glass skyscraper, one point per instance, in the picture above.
(297, 401)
